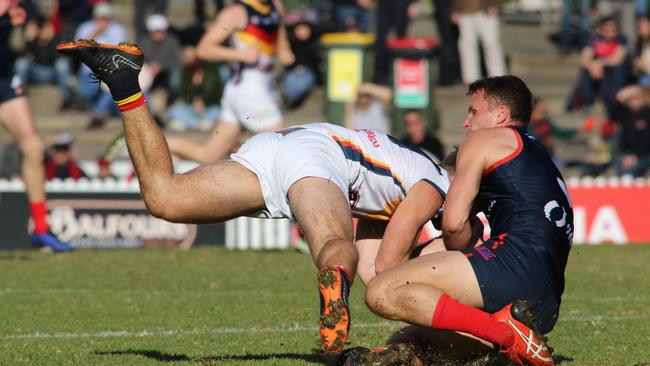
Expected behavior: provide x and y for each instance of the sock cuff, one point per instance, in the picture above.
(345, 271)
(125, 90)
(437, 314)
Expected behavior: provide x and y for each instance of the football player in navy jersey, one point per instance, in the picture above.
(505, 291)
(16, 117)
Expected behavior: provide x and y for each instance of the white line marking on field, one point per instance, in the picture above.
(170, 332)
(254, 330)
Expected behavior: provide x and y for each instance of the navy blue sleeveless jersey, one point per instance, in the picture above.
(529, 211)
(5, 53)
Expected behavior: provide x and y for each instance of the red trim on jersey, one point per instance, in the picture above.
(520, 146)
(261, 34)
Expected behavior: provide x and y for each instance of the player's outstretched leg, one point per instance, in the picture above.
(529, 346)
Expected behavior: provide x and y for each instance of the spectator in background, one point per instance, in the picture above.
(41, 63)
(162, 56)
(301, 76)
(60, 161)
(353, 15)
(633, 155)
(642, 52)
(140, 11)
(572, 11)
(479, 20)
(103, 29)
(390, 14)
(200, 94)
(104, 169)
(69, 15)
(603, 69)
(417, 135)
(448, 58)
(370, 110)
(12, 161)
(545, 130)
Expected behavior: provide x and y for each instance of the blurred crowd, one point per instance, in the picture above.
(614, 69)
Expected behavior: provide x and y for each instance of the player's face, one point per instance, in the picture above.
(479, 113)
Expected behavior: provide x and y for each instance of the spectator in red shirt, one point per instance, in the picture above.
(603, 69)
(60, 161)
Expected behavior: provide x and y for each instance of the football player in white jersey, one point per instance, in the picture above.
(319, 174)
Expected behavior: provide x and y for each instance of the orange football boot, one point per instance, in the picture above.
(335, 312)
(529, 346)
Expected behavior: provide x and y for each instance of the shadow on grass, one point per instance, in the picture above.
(219, 360)
(156, 355)
(559, 359)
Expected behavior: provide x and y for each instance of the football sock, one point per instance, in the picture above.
(38, 211)
(452, 315)
(125, 90)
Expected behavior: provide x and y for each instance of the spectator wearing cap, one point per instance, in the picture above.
(370, 110)
(103, 29)
(162, 56)
(633, 153)
(60, 160)
(143, 7)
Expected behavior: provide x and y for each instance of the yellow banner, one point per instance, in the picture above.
(344, 72)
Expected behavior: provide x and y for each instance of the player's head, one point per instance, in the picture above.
(449, 163)
(498, 101)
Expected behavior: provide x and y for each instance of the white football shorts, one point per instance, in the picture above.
(250, 105)
(279, 161)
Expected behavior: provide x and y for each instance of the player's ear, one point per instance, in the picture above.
(503, 114)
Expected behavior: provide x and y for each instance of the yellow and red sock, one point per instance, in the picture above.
(131, 102)
(125, 90)
(38, 212)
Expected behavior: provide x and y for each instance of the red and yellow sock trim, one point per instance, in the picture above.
(131, 102)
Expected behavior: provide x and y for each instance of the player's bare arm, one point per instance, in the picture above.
(473, 160)
(212, 48)
(285, 55)
(419, 206)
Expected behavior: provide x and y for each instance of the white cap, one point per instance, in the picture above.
(103, 10)
(157, 22)
(64, 139)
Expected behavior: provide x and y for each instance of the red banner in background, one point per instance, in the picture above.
(611, 215)
(602, 215)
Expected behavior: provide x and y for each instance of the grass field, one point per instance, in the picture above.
(210, 306)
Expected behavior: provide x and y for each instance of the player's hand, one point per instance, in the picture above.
(286, 57)
(477, 229)
(249, 55)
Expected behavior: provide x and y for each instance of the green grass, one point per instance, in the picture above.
(210, 306)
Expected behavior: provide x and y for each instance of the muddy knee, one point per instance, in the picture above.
(378, 297)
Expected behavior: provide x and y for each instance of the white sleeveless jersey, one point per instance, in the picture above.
(381, 169)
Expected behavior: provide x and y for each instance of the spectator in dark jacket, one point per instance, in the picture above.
(633, 155)
(418, 136)
(301, 76)
(41, 63)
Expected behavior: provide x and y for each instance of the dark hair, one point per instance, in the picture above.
(606, 19)
(508, 90)
(449, 162)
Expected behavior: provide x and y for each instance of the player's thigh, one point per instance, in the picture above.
(17, 118)
(368, 238)
(216, 192)
(321, 210)
(448, 271)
